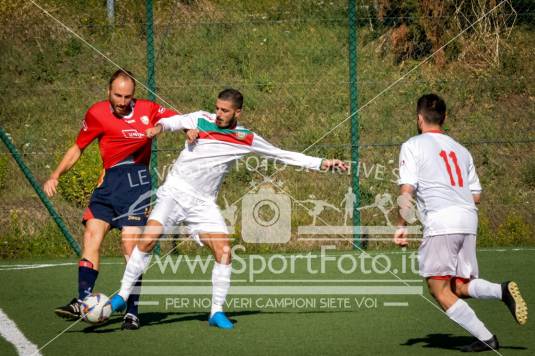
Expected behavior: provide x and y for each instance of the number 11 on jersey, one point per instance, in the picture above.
(453, 157)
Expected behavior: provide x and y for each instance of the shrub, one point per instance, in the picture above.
(486, 236)
(4, 160)
(514, 231)
(528, 174)
(22, 239)
(77, 185)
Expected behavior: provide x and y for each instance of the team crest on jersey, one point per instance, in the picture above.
(161, 110)
(241, 135)
(145, 119)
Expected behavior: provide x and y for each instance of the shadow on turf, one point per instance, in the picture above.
(157, 318)
(149, 319)
(449, 342)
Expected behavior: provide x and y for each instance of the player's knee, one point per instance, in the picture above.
(223, 254)
(92, 239)
(459, 287)
(147, 243)
(456, 289)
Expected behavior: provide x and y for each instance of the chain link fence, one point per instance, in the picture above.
(291, 61)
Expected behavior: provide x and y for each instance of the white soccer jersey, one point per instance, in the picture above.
(444, 176)
(201, 167)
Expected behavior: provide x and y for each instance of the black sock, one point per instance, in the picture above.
(86, 278)
(131, 303)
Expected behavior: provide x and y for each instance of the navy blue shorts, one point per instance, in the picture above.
(122, 197)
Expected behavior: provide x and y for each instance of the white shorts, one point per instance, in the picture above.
(174, 206)
(448, 255)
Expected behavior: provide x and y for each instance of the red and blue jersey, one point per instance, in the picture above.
(121, 138)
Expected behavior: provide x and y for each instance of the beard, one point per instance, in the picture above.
(122, 111)
(230, 123)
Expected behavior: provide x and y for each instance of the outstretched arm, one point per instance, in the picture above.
(265, 148)
(69, 159)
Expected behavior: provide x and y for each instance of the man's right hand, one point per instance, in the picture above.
(400, 236)
(50, 187)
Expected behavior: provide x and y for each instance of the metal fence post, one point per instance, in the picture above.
(353, 111)
(151, 84)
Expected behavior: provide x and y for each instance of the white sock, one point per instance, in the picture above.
(220, 286)
(461, 313)
(482, 289)
(137, 263)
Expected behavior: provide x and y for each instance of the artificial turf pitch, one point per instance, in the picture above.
(28, 297)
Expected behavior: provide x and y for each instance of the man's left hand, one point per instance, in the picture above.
(334, 164)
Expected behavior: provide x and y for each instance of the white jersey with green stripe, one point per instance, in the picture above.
(202, 166)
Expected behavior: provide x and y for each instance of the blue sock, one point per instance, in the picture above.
(86, 278)
(131, 303)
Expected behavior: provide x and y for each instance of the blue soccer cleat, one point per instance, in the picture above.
(117, 303)
(220, 320)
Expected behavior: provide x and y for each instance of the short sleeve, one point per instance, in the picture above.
(408, 166)
(91, 129)
(159, 112)
(180, 122)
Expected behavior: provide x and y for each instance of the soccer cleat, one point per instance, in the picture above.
(71, 311)
(515, 303)
(220, 320)
(130, 322)
(117, 303)
(480, 346)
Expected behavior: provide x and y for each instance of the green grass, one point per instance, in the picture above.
(29, 296)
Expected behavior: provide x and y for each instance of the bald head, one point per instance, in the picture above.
(122, 74)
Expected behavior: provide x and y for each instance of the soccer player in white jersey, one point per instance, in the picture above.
(441, 174)
(190, 190)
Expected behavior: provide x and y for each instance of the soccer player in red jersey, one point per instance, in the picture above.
(119, 124)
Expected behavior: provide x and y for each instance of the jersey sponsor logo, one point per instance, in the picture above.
(134, 218)
(132, 134)
(84, 125)
(145, 119)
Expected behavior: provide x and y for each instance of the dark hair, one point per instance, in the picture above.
(232, 95)
(123, 73)
(433, 109)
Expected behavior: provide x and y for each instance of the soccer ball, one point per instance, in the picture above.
(95, 308)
